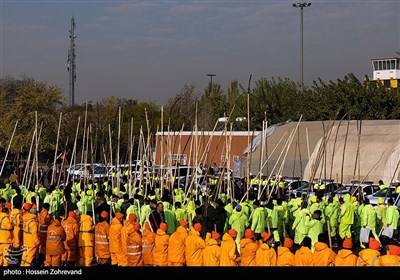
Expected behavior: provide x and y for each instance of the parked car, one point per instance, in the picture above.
(125, 168)
(385, 194)
(182, 174)
(97, 170)
(329, 187)
(75, 170)
(294, 184)
(368, 188)
(302, 189)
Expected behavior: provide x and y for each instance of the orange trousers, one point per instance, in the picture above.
(52, 260)
(28, 255)
(4, 247)
(70, 255)
(117, 259)
(85, 255)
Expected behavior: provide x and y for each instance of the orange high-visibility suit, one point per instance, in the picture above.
(30, 237)
(71, 228)
(248, 249)
(345, 257)
(161, 248)
(148, 240)
(265, 255)
(194, 246)
(176, 247)
(101, 243)
(323, 255)
(392, 257)
(16, 219)
(6, 237)
(284, 257)
(303, 256)
(389, 260)
(86, 240)
(368, 257)
(115, 242)
(44, 220)
(229, 253)
(131, 240)
(212, 252)
(126, 228)
(55, 244)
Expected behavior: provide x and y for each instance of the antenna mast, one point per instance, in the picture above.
(71, 66)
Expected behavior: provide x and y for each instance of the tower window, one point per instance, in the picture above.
(386, 83)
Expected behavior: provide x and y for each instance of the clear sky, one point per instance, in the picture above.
(149, 50)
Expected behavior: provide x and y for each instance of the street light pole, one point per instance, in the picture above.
(301, 6)
(211, 76)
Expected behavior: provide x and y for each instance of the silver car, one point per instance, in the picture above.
(367, 189)
(385, 194)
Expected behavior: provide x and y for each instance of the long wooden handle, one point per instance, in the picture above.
(329, 234)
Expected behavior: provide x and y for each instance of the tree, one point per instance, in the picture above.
(21, 100)
(212, 105)
(181, 110)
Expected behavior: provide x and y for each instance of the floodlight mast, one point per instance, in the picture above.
(301, 6)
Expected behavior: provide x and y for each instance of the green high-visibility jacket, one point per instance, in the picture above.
(258, 220)
(179, 195)
(42, 193)
(314, 206)
(239, 222)
(181, 214)
(314, 228)
(144, 212)
(132, 209)
(332, 214)
(392, 216)
(87, 204)
(170, 219)
(368, 217)
(245, 209)
(272, 216)
(358, 214)
(56, 196)
(8, 192)
(299, 224)
(380, 214)
(347, 211)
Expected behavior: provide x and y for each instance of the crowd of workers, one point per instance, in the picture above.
(86, 223)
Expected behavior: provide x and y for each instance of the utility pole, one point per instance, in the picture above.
(71, 65)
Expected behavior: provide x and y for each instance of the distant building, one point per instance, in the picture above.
(204, 147)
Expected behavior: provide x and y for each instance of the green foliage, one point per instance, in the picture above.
(180, 111)
(23, 101)
(212, 105)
